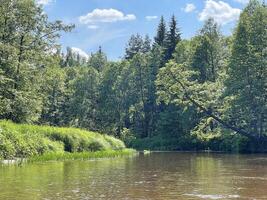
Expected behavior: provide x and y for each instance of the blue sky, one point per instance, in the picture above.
(110, 23)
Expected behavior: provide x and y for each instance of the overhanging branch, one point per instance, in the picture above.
(209, 113)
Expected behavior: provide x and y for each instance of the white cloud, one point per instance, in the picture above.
(190, 7)
(220, 11)
(242, 1)
(105, 16)
(44, 2)
(149, 18)
(80, 52)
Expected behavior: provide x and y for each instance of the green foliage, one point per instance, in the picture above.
(98, 60)
(54, 92)
(82, 155)
(246, 82)
(137, 45)
(26, 37)
(208, 57)
(127, 136)
(7, 149)
(205, 92)
(161, 143)
(233, 143)
(161, 33)
(173, 37)
(83, 99)
(221, 96)
(28, 140)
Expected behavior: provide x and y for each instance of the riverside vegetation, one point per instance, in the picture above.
(24, 141)
(166, 93)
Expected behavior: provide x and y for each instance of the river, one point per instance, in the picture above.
(156, 176)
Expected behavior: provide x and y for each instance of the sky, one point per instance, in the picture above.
(110, 23)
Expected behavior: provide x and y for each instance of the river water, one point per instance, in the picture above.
(157, 176)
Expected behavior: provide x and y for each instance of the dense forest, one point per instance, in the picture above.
(167, 93)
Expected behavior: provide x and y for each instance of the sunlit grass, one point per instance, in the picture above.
(82, 155)
(24, 141)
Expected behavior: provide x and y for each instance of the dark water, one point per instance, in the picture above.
(158, 176)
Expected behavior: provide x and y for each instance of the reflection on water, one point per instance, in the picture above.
(158, 176)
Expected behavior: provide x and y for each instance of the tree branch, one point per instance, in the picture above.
(210, 114)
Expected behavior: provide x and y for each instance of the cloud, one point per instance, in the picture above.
(220, 11)
(149, 18)
(44, 2)
(80, 52)
(105, 16)
(190, 7)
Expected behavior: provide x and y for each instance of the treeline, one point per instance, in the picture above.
(167, 93)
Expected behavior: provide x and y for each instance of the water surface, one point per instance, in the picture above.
(158, 176)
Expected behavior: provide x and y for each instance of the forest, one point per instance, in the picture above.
(208, 92)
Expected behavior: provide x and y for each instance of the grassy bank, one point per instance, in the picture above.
(24, 141)
(82, 155)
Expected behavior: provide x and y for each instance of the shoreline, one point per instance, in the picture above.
(203, 151)
(66, 156)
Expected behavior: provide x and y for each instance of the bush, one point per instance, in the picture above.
(116, 144)
(160, 143)
(7, 149)
(233, 143)
(21, 140)
(52, 146)
(127, 136)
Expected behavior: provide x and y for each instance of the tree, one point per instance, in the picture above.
(161, 33)
(173, 36)
(207, 58)
(98, 60)
(111, 99)
(69, 60)
(246, 82)
(237, 103)
(83, 100)
(54, 91)
(26, 40)
(146, 45)
(135, 45)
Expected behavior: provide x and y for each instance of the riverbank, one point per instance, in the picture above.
(226, 142)
(46, 142)
(73, 156)
(82, 155)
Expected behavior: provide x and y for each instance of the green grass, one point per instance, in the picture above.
(82, 155)
(24, 141)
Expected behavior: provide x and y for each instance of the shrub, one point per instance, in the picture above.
(21, 140)
(7, 149)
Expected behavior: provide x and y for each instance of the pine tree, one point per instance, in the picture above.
(98, 60)
(172, 38)
(161, 33)
(69, 61)
(134, 46)
(146, 44)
